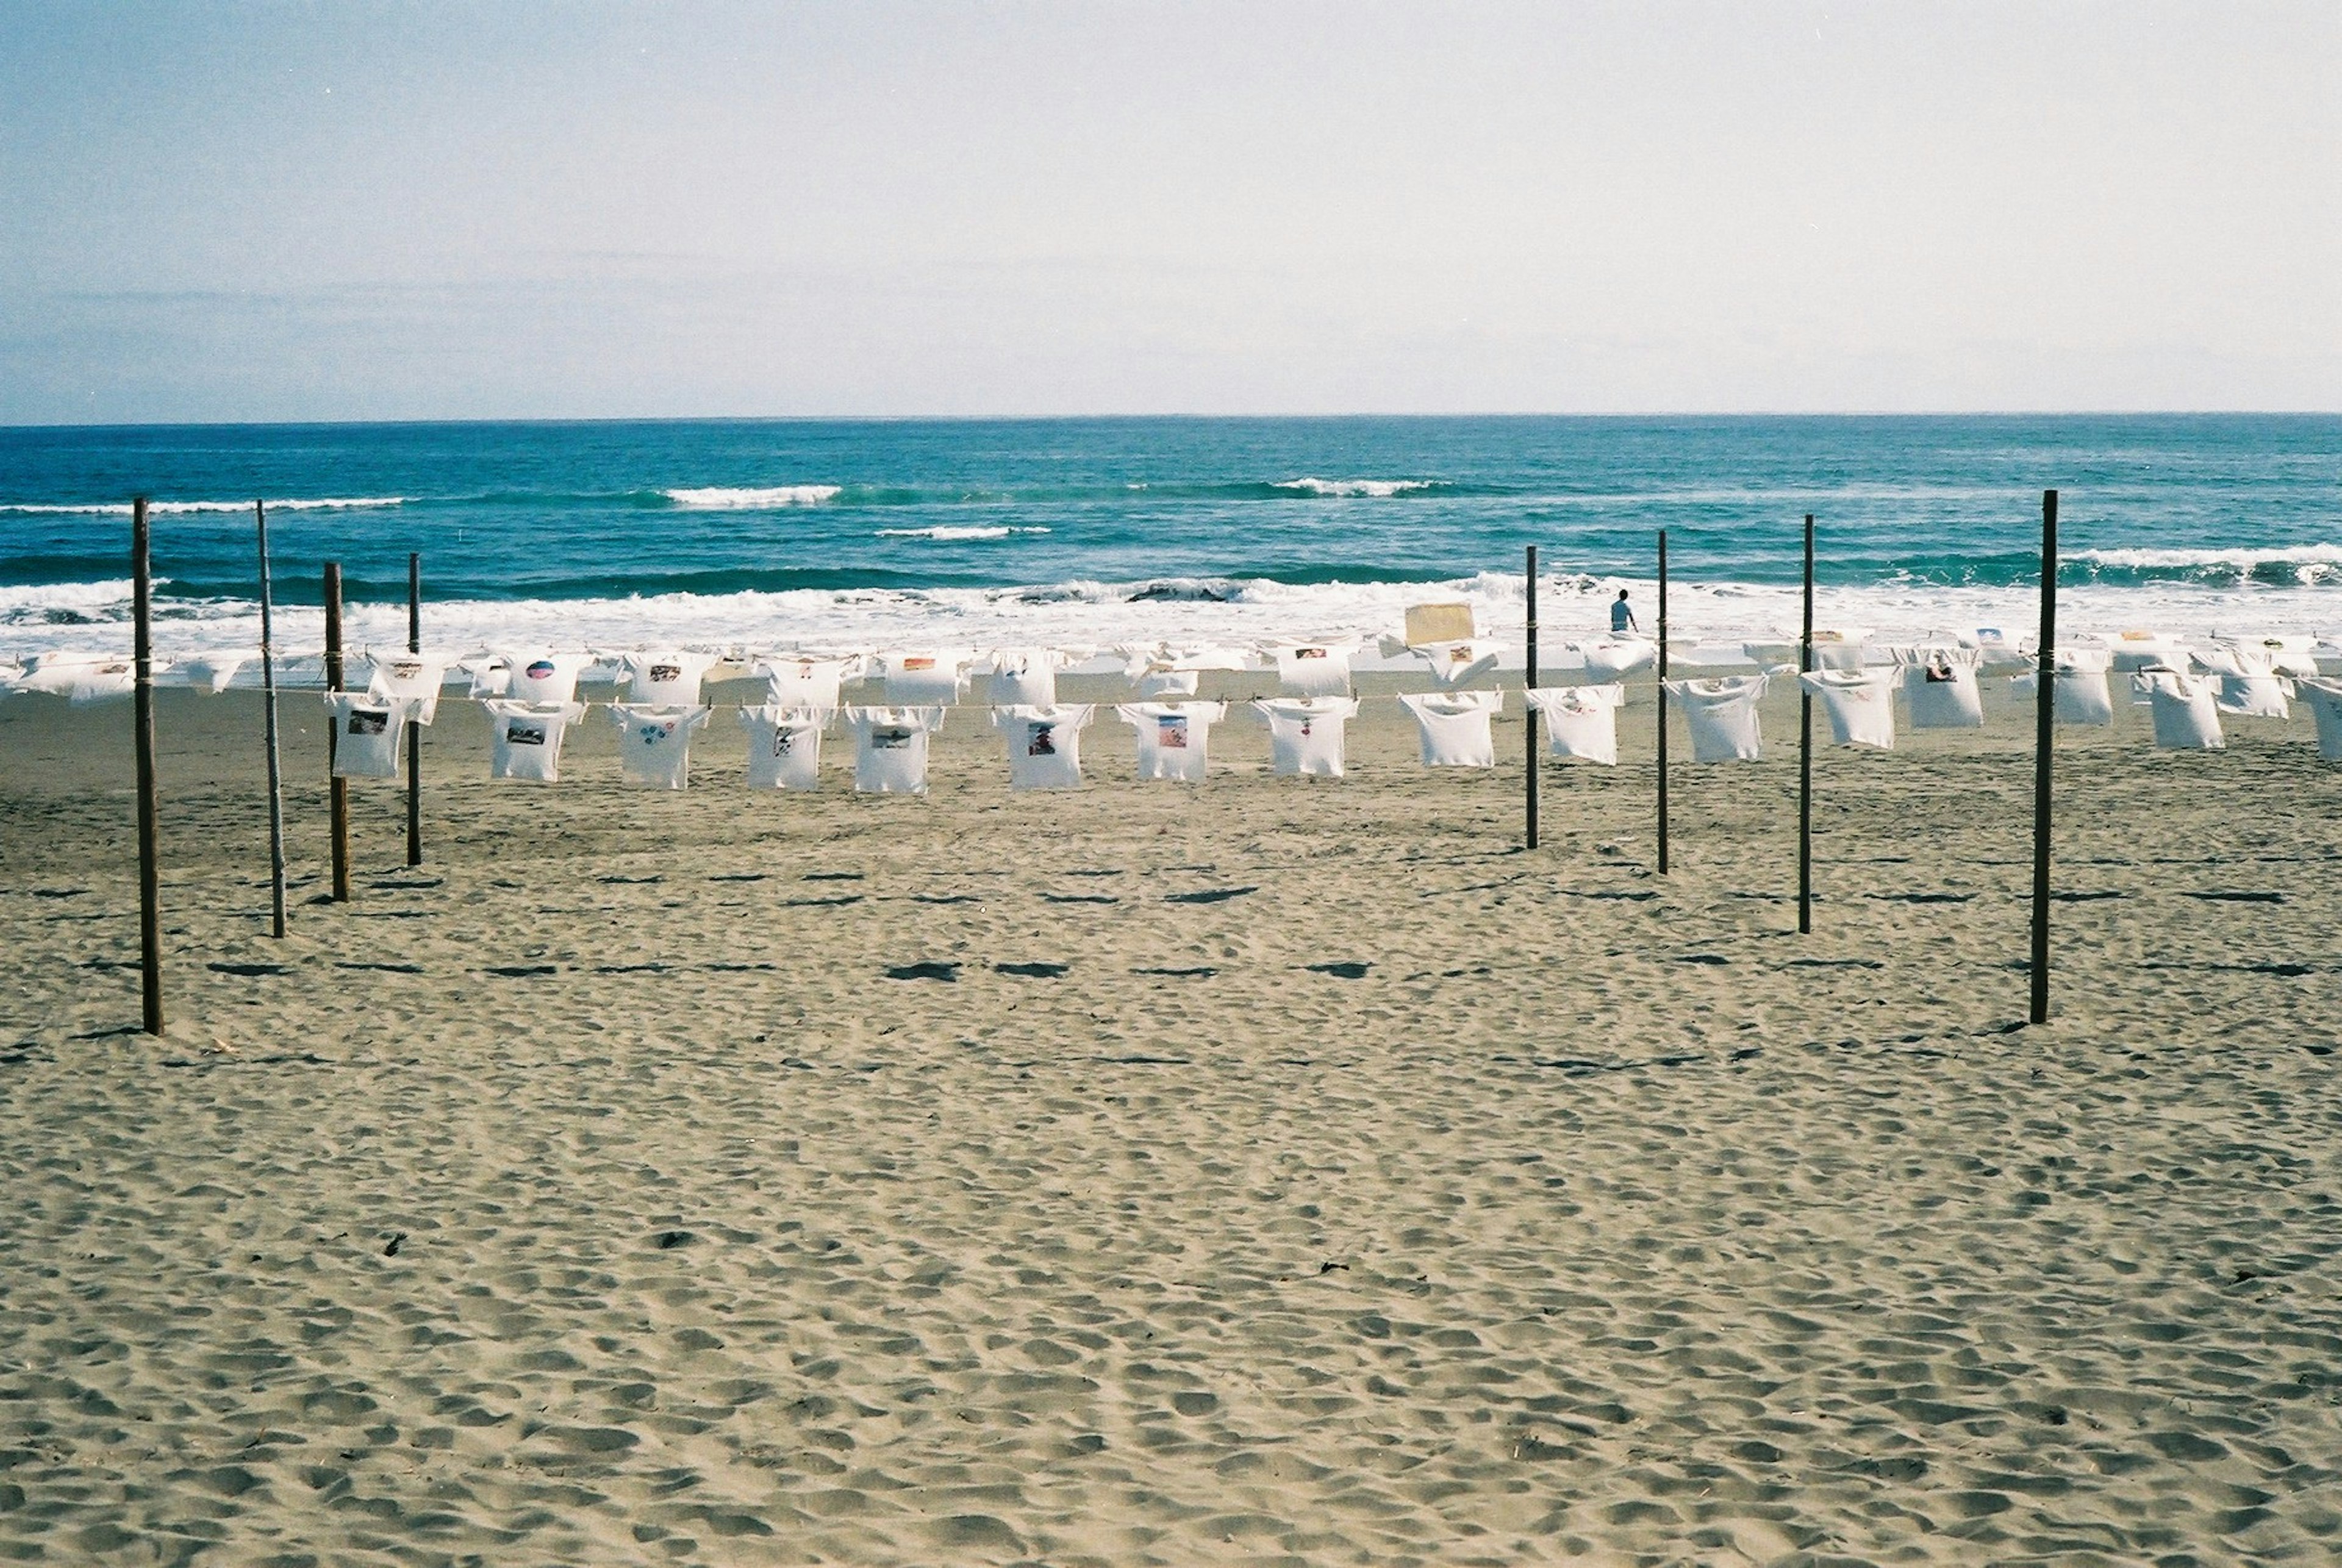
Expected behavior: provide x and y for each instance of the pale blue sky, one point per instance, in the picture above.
(313, 212)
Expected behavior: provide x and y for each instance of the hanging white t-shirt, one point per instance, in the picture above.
(1305, 734)
(2083, 698)
(1939, 686)
(1581, 722)
(1314, 670)
(890, 748)
(1045, 745)
(414, 676)
(784, 747)
(366, 732)
(524, 738)
(1860, 704)
(2187, 711)
(1025, 678)
(544, 678)
(79, 678)
(654, 744)
(211, 671)
(669, 679)
(1454, 727)
(2247, 682)
(1722, 715)
(795, 682)
(1172, 736)
(1612, 659)
(924, 676)
(2325, 700)
(1453, 663)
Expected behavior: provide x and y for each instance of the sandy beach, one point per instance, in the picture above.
(1277, 1171)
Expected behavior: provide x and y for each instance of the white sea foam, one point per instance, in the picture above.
(122, 509)
(93, 616)
(1377, 487)
(721, 498)
(941, 532)
(2311, 562)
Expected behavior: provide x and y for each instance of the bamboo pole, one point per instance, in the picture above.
(1805, 750)
(150, 873)
(413, 730)
(338, 786)
(2045, 709)
(1528, 712)
(1663, 702)
(268, 708)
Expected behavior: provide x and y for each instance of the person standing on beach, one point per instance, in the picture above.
(1622, 614)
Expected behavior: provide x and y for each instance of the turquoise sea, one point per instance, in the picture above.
(1103, 529)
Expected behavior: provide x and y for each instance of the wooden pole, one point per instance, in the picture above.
(339, 788)
(413, 730)
(2045, 709)
(1528, 686)
(1663, 702)
(150, 851)
(268, 701)
(1805, 750)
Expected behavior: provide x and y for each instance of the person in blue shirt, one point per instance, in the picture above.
(1622, 614)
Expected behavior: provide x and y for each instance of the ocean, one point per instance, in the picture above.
(847, 532)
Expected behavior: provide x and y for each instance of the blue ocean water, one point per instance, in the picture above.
(2244, 513)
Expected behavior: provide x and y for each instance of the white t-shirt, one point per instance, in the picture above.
(2249, 683)
(1581, 721)
(2083, 698)
(890, 748)
(1314, 670)
(654, 744)
(2325, 700)
(1454, 727)
(1939, 686)
(1172, 737)
(1025, 678)
(211, 671)
(784, 747)
(667, 679)
(1305, 734)
(803, 683)
(366, 732)
(924, 676)
(545, 678)
(1045, 745)
(2186, 712)
(1860, 704)
(1612, 659)
(78, 677)
(1453, 663)
(414, 675)
(524, 738)
(1722, 715)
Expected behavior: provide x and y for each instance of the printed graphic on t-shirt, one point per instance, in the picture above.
(1171, 733)
(520, 734)
(889, 740)
(920, 662)
(1041, 741)
(782, 743)
(366, 721)
(541, 670)
(1308, 653)
(406, 670)
(666, 673)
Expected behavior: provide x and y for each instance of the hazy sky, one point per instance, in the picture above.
(362, 211)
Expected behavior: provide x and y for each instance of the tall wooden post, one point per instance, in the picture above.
(339, 788)
(268, 701)
(1529, 688)
(1805, 749)
(413, 730)
(1663, 702)
(2045, 710)
(150, 848)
